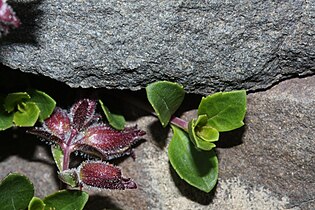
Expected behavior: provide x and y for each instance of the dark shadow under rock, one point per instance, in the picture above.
(99, 202)
(159, 134)
(15, 141)
(231, 138)
(191, 192)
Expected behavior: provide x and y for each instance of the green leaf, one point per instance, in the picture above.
(225, 111)
(26, 115)
(201, 134)
(198, 168)
(115, 120)
(58, 156)
(66, 199)
(16, 191)
(165, 98)
(207, 133)
(203, 130)
(36, 204)
(69, 177)
(13, 99)
(6, 119)
(44, 102)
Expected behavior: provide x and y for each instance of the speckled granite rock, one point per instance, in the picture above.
(269, 164)
(205, 45)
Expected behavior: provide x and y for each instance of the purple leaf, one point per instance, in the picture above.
(7, 17)
(109, 142)
(83, 113)
(59, 124)
(103, 175)
(78, 129)
(41, 132)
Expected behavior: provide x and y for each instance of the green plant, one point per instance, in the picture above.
(76, 130)
(191, 150)
(17, 192)
(23, 109)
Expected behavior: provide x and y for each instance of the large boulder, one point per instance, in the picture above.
(205, 45)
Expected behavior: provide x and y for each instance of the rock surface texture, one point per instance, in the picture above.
(268, 164)
(205, 45)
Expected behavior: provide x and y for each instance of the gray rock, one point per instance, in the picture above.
(205, 45)
(278, 150)
(269, 164)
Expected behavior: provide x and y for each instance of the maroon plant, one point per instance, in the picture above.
(80, 130)
(98, 175)
(7, 17)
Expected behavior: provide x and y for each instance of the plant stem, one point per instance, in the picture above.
(183, 124)
(66, 158)
(67, 149)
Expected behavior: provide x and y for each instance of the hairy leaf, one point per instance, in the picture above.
(8, 19)
(16, 191)
(198, 168)
(115, 120)
(165, 98)
(83, 113)
(41, 132)
(44, 102)
(225, 111)
(66, 199)
(104, 176)
(108, 143)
